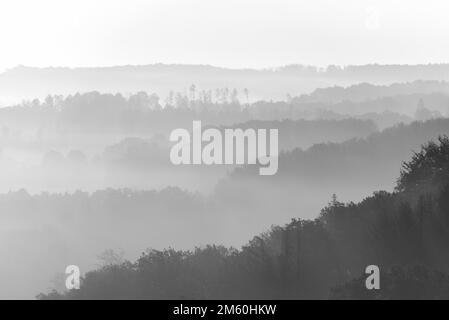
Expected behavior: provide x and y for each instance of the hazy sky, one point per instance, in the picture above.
(231, 33)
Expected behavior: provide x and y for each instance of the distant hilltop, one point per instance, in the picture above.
(263, 84)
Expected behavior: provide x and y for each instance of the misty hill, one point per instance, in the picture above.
(405, 234)
(80, 225)
(401, 105)
(306, 179)
(366, 91)
(305, 133)
(141, 113)
(51, 230)
(61, 161)
(386, 149)
(28, 82)
(292, 134)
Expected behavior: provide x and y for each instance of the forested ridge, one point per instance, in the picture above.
(404, 232)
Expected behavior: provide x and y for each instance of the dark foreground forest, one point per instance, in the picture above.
(405, 233)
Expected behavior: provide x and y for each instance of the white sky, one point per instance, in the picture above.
(230, 33)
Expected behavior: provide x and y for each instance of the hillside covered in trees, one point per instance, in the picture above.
(24, 82)
(405, 233)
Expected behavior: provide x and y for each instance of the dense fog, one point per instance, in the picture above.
(88, 172)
